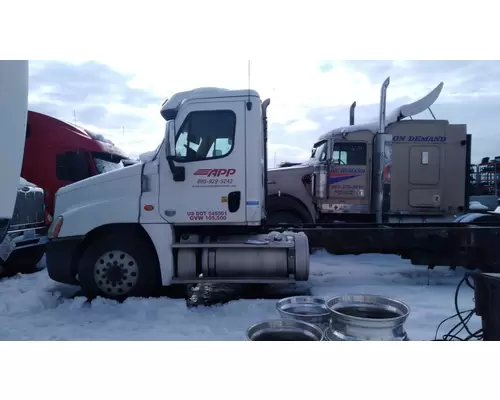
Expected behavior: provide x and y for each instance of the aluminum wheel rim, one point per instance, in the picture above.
(116, 272)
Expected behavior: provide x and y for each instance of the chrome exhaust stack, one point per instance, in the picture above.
(351, 113)
(379, 200)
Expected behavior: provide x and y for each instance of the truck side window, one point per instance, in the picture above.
(72, 166)
(206, 135)
(349, 153)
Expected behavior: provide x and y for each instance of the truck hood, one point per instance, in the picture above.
(100, 179)
(284, 177)
(118, 186)
(305, 164)
(147, 156)
(292, 169)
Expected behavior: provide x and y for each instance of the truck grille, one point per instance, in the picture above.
(29, 211)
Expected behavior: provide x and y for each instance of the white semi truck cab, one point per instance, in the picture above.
(193, 211)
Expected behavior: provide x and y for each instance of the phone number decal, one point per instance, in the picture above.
(214, 181)
(347, 187)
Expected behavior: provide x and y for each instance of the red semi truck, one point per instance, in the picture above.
(57, 153)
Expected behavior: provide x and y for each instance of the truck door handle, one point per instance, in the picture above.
(233, 201)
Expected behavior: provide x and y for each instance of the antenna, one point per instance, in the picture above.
(74, 116)
(249, 102)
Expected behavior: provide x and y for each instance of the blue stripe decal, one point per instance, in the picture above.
(337, 179)
(253, 203)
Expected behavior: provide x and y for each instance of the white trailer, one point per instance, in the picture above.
(22, 210)
(13, 116)
(193, 211)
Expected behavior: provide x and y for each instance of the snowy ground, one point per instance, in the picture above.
(32, 307)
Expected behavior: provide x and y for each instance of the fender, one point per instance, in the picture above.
(286, 202)
(161, 235)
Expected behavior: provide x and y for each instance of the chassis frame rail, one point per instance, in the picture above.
(472, 246)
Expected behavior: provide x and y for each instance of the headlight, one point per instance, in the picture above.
(55, 227)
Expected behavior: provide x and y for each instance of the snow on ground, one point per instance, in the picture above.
(32, 307)
(477, 206)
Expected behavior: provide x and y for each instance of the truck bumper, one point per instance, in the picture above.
(28, 238)
(59, 258)
(15, 240)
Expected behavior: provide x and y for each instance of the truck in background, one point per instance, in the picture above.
(485, 183)
(355, 172)
(24, 244)
(57, 153)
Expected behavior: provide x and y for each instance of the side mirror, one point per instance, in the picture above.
(171, 138)
(178, 172)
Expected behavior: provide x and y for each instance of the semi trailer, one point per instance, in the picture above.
(23, 232)
(195, 210)
(13, 109)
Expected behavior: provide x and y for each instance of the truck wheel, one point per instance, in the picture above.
(24, 260)
(118, 266)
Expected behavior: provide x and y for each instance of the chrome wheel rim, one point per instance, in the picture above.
(116, 273)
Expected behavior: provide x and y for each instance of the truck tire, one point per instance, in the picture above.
(287, 210)
(24, 260)
(119, 265)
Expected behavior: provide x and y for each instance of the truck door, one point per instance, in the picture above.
(348, 175)
(210, 145)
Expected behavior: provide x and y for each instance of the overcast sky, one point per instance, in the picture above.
(308, 98)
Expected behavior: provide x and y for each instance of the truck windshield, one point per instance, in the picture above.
(105, 162)
(319, 151)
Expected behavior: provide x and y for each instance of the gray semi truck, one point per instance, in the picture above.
(350, 178)
(397, 185)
